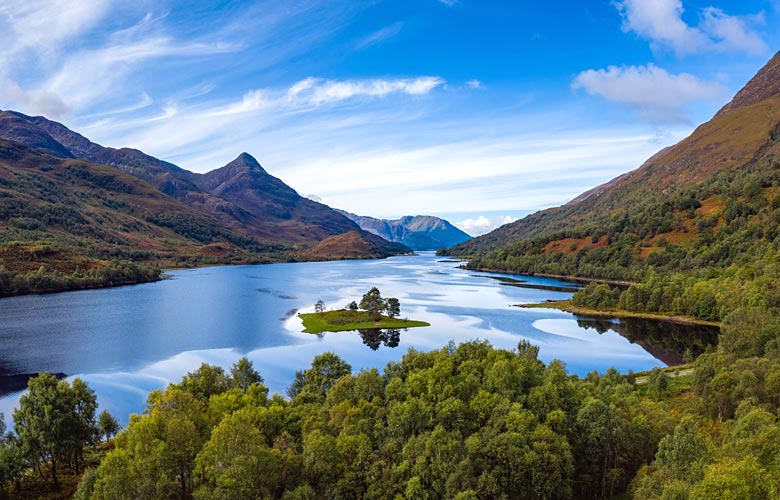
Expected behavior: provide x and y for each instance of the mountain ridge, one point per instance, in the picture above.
(74, 210)
(418, 232)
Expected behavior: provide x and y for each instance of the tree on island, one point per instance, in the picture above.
(352, 306)
(373, 303)
(393, 307)
(319, 306)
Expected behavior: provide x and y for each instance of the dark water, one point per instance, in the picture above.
(128, 341)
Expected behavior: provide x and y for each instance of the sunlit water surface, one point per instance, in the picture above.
(130, 340)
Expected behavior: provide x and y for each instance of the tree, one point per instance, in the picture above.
(54, 421)
(107, 425)
(325, 370)
(373, 303)
(236, 463)
(155, 456)
(319, 306)
(243, 374)
(205, 382)
(393, 307)
(84, 426)
(352, 306)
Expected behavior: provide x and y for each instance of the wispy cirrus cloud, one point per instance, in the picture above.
(661, 22)
(314, 92)
(653, 92)
(380, 36)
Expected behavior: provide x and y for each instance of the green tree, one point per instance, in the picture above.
(325, 370)
(243, 374)
(236, 463)
(54, 422)
(393, 307)
(205, 382)
(319, 306)
(730, 480)
(155, 456)
(373, 303)
(352, 306)
(107, 425)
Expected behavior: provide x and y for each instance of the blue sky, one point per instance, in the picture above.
(478, 111)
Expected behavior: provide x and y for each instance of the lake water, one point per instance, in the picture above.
(130, 340)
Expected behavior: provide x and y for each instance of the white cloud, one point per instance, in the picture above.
(380, 35)
(448, 3)
(660, 21)
(482, 224)
(36, 102)
(318, 91)
(650, 90)
(314, 92)
(474, 84)
(733, 33)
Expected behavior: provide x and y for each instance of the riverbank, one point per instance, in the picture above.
(344, 320)
(568, 306)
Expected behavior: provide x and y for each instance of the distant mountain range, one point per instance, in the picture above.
(72, 206)
(418, 232)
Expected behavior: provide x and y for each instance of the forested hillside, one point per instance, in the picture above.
(697, 224)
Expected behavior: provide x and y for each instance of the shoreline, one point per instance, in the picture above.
(567, 306)
(163, 268)
(561, 277)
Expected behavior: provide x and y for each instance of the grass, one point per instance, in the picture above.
(566, 305)
(343, 320)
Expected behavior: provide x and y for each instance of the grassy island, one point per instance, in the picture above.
(343, 319)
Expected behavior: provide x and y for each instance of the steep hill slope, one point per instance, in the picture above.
(67, 223)
(74, 214)
(709, 203)
(419, 232)
(241, 195)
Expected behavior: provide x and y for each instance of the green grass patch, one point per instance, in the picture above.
(344, 320)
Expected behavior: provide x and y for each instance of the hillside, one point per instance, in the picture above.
(241, 195)
(353, 245)
(75, 214)
(419, 232)
(706, 208)
(67, 223)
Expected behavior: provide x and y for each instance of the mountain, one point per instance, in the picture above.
(703, 206)
(241, 195)
(67, 223)
(419, 232)
(70, 206)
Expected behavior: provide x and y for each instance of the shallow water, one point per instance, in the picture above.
(130, 340)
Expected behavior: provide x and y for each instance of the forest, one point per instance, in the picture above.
(465, 422)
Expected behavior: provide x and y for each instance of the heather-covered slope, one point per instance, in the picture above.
(67, 223)
(74, 214)
(241, 195)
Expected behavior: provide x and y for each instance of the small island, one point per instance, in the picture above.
(367, 315)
